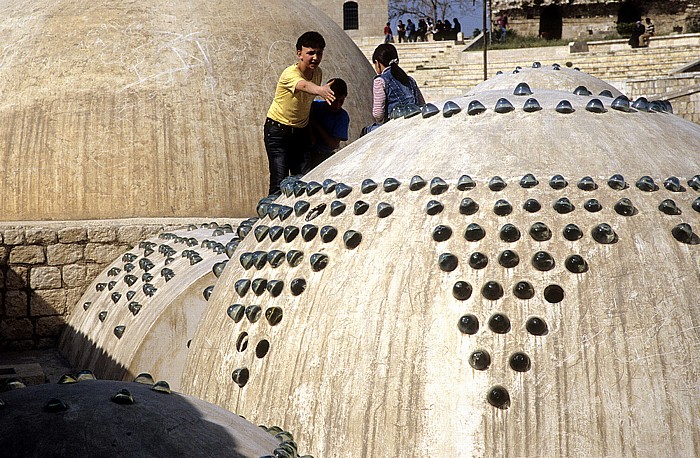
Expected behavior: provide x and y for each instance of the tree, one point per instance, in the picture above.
(435, 9)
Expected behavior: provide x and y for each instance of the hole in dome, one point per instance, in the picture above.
(262, 348)
(553, 294)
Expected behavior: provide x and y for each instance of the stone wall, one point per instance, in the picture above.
(372, 15)
(45, 268)
(682, 90)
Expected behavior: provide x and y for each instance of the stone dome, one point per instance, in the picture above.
(504, 275)
(150, 108)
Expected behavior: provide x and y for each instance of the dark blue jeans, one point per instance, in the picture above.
(288, 151)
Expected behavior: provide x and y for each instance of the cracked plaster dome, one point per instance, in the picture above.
(149, 108)
(397, 346)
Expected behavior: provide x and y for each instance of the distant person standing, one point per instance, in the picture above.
(637, 33)
(401, 31)
(410, 31)
(388, 36)
(422, 31)
(502, 23)
(456, 26)
(649, 31)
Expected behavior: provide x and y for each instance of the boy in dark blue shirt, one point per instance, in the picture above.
(329, 124)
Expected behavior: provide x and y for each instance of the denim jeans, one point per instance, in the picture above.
(288, 151)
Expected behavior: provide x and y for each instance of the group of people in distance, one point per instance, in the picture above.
(300, 132)
(409, 32)
(642, 33)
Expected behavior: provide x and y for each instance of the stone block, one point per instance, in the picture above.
(75, 275)
(17, 277)
(103, 254)
(45, 278)
(27, 254)
(93, 271)
(47, 302)
(130, 235)
(64, 253)
(16, 329)
(40, 236)
(13, 236)
(4, 252)
(50, 326)
(73, 296)
(72, 235)
(16, 304)
(103, 234)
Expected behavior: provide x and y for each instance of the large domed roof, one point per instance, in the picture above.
(510, 278)
(149, 108)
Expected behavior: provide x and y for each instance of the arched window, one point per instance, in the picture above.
(351, 17)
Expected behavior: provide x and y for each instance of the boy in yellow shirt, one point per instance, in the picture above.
(287, 140)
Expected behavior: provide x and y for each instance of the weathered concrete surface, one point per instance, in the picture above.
(369, 360)
(115, 109)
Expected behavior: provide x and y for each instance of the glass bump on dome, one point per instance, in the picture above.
(531, 105)
(285, 212)
(129, 257)
(130, 294)
(508, 259)
(509, 233)
(360, 207)
(696, 205)
(499, 323)
(468, 324)
(130, 279)
(119, 331)
(502, 207)
(149, 290)
(503, 106)
(519, 362)
(235, 312)
(329, 185)
(240, 376)
(572, 232)
(315, 212)
(582, 90)
(564, 107)
(595, 106)
(161, 386)
(641, 104)
(576, 264)
(123, 396)
(275, 258)
(543, 261)
(475, 107)
(328, 233)
(417, 183)
(450, 108)
(474, 232)
(275, 287)
(342, 190)
(447, 262)
(683, 233)
(337, 208)
(558, 182)
(429, 110)
(465, 183)
(384, 209)
(540, 232)
(617, 182)
(592, 205)
(480, 360)
(522, 89)
(299, 188)
(673, 184)
(290, 233)
(243, 231)
(532, 206)
(207, 292)
(309, 231)
(625, 207)
(497, 183)
(253, 312)
(461, 290)
(86, 305)
(352, 239)
(111, 285)
(492, 290)
(536, 326)
(438, 186)
(368, 185)
(468, 206)
(128, 267)
(113, 272)
(273, 315)
(604, 233)
(528, 181)
(318, 261)
(498, 397)
(621, 103)
(67, 379)
(146, 264)
(85, 374)
(297, 286)
(563, 206)
(587, 184)
(556, 66)
(669, 207)
(606, 93)
(300, 207)
(434, 207)
(230, 249)
(478, 260)
(536, 65)
(646, 184)
(217, 269)
(144, 378)
(442, 233)
(694, 182)
(391, 184)
(242, 286)
(312, 187)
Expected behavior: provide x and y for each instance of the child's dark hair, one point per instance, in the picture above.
(311, 40)
(387, 55)
(339, 87)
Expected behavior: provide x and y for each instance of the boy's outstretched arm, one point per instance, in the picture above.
(324, 91)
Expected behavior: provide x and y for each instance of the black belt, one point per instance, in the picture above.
(284, 127)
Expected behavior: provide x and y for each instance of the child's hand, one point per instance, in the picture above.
(326, 92)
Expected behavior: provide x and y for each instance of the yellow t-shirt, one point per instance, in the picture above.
(291, 107)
